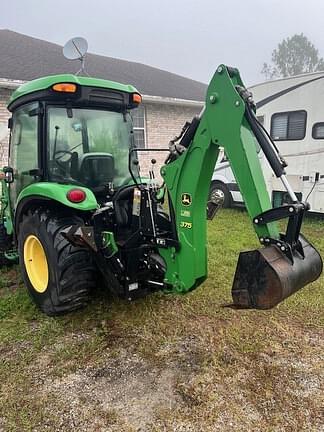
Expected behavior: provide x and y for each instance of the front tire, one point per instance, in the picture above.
(58, 276)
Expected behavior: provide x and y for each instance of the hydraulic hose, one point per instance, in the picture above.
(270, 150)
(267, 147)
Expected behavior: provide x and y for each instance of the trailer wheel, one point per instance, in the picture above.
(58, 276)
(221, 189)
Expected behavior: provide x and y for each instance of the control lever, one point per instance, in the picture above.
(152, 175)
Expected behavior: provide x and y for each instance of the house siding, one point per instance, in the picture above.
(163, 122)
(4, 115)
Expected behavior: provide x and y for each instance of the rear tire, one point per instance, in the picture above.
(58, 276)
(222, 188)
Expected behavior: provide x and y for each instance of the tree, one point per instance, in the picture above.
(293, 56)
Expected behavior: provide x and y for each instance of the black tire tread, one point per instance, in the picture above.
(75, 269)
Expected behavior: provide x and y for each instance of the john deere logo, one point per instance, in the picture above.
(186, 199)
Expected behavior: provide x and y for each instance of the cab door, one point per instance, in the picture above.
(23, 156)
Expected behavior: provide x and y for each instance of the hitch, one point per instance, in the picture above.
(103, 251)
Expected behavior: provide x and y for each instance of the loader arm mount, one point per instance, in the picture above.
(287, 262)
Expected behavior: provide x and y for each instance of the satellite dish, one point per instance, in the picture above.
(3, 131)
(76, 49)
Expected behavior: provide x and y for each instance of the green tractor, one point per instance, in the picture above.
(74, 202)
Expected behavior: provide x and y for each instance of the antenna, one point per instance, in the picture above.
(76, 49)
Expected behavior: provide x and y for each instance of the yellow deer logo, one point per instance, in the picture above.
(186, 199)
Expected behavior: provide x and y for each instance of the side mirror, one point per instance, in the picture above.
(9, 175)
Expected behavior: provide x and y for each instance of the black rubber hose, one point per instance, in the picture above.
(267, 148)
(232, 71)
(190, 132)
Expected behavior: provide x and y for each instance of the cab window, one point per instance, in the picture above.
(24, 145)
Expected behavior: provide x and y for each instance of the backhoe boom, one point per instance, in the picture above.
(227, 121)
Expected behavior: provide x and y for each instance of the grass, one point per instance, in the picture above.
(166, 363)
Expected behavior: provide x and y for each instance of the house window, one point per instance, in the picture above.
(138, 115)
(318, 131)
(288, 125)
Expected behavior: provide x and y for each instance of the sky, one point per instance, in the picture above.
(190, 38)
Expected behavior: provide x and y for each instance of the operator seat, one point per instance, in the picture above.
(96, 169)
(123, 200)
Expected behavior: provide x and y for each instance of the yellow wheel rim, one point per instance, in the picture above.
(36, 263)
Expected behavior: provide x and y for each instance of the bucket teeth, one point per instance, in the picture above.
(265, 277)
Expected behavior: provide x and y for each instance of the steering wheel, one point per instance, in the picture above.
(62, 153)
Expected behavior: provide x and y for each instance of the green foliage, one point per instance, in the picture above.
(293, 56)
(106, 140)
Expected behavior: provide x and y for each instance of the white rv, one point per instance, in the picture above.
(292, 111)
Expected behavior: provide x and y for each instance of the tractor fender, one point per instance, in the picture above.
(45, 192)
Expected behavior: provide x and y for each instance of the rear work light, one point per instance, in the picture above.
(76, 195)
(137, 98)
(65, 87)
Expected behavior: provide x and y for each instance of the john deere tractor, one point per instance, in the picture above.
(74, 202)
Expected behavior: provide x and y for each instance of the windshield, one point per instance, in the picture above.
(89, 147)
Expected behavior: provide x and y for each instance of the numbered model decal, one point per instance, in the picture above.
(185, 213)
(186, 199)
(184, 224)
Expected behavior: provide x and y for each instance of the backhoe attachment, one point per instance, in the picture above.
(286, 262)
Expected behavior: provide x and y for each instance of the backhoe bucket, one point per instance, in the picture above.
(265, 277)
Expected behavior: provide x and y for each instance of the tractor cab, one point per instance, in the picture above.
(72, 130)
(89, 147)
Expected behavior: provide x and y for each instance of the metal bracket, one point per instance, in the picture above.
(279, 213)
(165, 242)
(284, 247)
(288, 242)
(80, 236)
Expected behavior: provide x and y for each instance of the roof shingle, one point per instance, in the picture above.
(25, 58)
